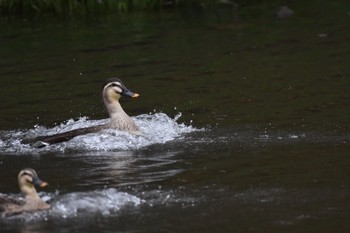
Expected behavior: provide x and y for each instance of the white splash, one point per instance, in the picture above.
(81, 204)
(158, 128)
(103, 202)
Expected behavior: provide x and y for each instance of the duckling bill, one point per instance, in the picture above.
(28, 181)
(113, 90)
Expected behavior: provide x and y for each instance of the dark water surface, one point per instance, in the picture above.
(261, 144)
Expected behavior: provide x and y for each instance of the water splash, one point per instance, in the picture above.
(158, 128)
(105, 202)
(81, 204)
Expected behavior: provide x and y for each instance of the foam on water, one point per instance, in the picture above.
(157, 127)
(104, 202)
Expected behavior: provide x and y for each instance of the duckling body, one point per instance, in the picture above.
(27, 180)
(113, 90)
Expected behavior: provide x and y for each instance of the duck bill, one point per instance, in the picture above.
(135, 95)
(43, 185)
(128, 93)
(39, 183)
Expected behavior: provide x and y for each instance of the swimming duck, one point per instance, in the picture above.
(113, 90)
(28, 180)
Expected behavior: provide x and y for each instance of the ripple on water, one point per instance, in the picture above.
(158, 127)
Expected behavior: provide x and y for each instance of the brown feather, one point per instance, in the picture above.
(66, 136)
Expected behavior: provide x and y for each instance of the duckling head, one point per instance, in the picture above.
(28, 181)
(113, 89)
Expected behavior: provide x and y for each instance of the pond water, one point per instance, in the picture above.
(246, 116)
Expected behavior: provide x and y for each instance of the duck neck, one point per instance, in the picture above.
(30, 193)
(118, 118)
(115, 110)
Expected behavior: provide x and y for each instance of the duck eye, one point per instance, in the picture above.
(26, 174)
(116, 85)
(29, 181)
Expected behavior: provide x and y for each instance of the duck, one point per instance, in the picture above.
(28, 181)
(113, 89)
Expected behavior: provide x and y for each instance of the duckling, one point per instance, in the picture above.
(28, 180)
(113, 90)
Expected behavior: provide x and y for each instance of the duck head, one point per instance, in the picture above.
(28, 181)
(114, 88)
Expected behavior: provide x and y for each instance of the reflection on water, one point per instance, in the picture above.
(127, 168)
